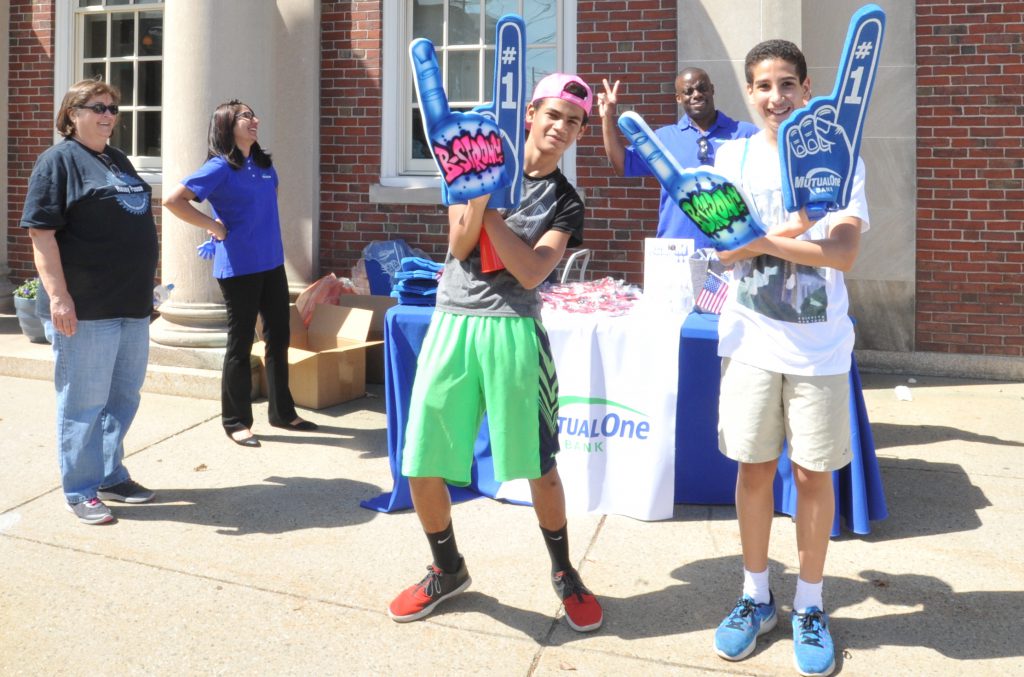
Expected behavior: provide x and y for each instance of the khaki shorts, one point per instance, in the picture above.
(760, 410)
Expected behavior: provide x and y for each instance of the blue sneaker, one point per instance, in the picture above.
(737, 635)
(813, 651)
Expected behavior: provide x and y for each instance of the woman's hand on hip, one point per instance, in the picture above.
(218, 230)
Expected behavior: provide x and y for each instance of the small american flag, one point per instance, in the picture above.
(712, 296)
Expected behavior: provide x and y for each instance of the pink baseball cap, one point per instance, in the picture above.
(566, 87)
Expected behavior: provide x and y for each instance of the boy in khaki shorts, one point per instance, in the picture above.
(486, 350)
(785, 340)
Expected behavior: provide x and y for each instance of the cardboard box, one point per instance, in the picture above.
(327, 362)
(374, 354)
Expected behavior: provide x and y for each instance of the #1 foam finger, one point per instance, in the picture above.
(818, 174)
(508, 104)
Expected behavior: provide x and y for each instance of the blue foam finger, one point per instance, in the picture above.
(467, 147)
(716, 205)
(508, 104)
(820, 143)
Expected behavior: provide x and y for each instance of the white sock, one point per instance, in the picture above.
(755, 586)
(807, 595)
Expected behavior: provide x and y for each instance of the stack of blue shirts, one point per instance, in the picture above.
(417, 281)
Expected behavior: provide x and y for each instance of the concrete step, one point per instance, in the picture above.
(171, 371)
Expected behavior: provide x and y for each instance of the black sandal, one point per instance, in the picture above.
(249, 441)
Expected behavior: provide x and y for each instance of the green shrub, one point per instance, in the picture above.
(29, 289)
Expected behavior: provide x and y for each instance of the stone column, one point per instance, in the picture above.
(214, 52)
(6, 288)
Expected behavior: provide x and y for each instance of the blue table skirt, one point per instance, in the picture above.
(703, 474)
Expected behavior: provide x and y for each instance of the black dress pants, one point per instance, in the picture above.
(246, 296)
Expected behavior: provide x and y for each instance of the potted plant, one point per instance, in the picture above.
(25, 308)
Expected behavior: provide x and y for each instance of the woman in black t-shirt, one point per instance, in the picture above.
(94, 241)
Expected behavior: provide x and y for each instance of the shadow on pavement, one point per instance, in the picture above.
(926, 499)
(928, 613)
(369, 443)
(282, 504)
(899, 435)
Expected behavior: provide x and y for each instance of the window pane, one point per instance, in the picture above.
(149, 134)
(150, 76)
(121, 75)
(464, 76)
(420, 149)
(119, 2)
(494, 10)
(90, 3)
(151, 34)
(122, 34)
(539, 62)
(94, 37)
(540, 17)
(464, 22)
(488, 75)
(94, 70)
(428, 20)
(122, 136)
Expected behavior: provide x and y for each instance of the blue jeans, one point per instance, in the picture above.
(98, 375)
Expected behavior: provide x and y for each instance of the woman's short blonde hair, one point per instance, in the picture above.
(78, 95)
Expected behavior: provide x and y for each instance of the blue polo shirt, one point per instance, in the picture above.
(245, 201)
(681, 140)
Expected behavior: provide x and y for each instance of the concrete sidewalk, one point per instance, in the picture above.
(261, 561)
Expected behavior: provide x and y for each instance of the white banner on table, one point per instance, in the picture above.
(668, 282)
(617, 380)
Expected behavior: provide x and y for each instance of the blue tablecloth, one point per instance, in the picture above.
(703, 474)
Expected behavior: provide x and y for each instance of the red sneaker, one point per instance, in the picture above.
(419, 600)
(582, 609)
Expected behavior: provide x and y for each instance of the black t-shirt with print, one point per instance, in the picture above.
(103, 217)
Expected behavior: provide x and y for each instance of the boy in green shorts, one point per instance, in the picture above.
(486, 351)
(785, 340)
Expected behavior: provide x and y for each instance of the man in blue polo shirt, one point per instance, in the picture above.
(692, 140)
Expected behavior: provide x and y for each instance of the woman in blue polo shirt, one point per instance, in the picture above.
(240, 182)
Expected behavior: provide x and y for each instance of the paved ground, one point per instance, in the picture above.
(262, 562)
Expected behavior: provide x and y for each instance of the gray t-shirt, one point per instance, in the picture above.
(547, 202)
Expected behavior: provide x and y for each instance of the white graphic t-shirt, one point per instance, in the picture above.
(783, 316)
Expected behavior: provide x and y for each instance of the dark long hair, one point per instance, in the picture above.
(222, 137)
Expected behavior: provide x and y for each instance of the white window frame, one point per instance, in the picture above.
(67, 65)
(397, 82)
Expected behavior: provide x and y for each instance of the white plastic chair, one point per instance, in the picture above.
(583, 258)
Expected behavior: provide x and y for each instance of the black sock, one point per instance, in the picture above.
(445, 552)
(558, 548)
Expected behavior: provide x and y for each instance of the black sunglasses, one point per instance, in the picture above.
(703, 150)
(688, 91)
(101, 108)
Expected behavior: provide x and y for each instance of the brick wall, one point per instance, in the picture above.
(970, 159)
(350, 81)
(30, 118)
(620, 212)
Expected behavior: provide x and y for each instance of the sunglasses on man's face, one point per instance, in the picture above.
(689, 91)
(101, 108)
(703, 150)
